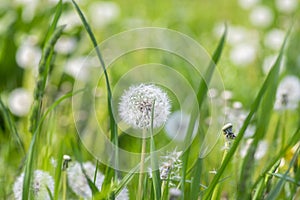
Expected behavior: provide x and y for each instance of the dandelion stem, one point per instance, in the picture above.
(64, 185)
(140, 189)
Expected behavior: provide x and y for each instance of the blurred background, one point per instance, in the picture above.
(256, 30)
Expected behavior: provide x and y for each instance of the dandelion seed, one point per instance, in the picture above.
(41, 181)
(135, 107)
(261, 16)
(288, 95)
(19, 102)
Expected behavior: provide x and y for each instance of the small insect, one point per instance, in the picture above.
(227, 130)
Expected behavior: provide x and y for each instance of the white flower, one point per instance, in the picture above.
(261, 16)
(288, 95)
(243, 54)
(135, 106)
(286, 6)
(103, 13)
(274, 39)
(79, 185)
(177, 126)
(19, 102)
(41, 180)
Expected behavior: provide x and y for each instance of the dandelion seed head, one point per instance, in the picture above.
(77, 180)
(261, 16)
(175, 193)
(28, 54)
(243, 54)
(286, 6)
(288, 95)
(19, 102)
(274, 39)
(79, 185)
(135, 106)
(41, 180)
(246, 4)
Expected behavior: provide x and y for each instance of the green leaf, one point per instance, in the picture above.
(113, 126)
(200, 98)
(254, 107)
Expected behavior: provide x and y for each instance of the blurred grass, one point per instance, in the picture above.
(194, 18)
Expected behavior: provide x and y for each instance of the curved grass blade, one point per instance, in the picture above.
(11, 125)
(273, 72)
(200, 98)
(275, 192)
(113, 126)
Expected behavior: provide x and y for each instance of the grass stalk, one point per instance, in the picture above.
(141, 175)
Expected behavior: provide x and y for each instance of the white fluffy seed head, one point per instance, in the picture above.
(79, 185)
(40, 182)
(135, 107)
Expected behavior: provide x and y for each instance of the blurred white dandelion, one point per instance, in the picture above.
(65, 45)
(288, 95)
(243, 54)
(28, 54)
(41, 181)
(135, 106)
(177, 126)
(260, 152)
(70, 19)
(270, 60)
(174, 193)
(103, 13)
(77, 68)
(274, 39)
(19, 102)
(79, 185)
(261, 16)
(286, 6)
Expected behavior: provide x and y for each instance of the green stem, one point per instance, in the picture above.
(140, 189)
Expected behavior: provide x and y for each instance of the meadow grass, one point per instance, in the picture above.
(274, 180)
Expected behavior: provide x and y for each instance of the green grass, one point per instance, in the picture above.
(48, 132)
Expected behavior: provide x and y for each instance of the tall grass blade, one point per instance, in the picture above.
(276, 190)
(113, 126)
(200, 98)
(267, 103)
(35, 118)
(253, 109)
(9, 121)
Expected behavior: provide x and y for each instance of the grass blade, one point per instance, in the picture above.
(200, 98)
(9, 121)
(275, 192)
(240, 135)
(113, 126)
